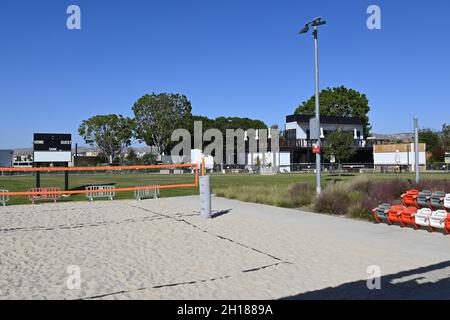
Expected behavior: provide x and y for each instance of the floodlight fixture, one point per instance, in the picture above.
(313, 23)
(304, 30)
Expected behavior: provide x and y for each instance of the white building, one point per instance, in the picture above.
(398, 157)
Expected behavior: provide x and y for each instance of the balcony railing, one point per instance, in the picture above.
(304, 143)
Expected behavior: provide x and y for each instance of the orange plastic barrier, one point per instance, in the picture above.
(410, 197)
(409, 213)
(395, 214)
(408, 217)
(37, 192)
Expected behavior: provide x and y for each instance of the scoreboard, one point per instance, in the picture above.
(52, 147)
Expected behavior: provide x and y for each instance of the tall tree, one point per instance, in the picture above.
(207, 123)
(110, 133)
(149, 158)
(430, 138)
(224, 123)
(158, 115)
(339, 144)
(339, 101)
(445, 136)
(434, 143)
(132, 157)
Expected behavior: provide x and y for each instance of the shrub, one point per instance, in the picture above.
(388, 191)
(358, 211)
(301, 194)
(336, 198)
(434, 185)
(363, 208)
(357, 198)
(362, 184)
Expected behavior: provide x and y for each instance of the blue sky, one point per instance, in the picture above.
(230, 57)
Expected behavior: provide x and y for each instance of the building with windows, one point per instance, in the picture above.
(297, 137)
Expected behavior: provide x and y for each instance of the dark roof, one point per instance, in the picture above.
(302, 118)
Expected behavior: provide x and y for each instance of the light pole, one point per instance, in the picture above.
(316, 134)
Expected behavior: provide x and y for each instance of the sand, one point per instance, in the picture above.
(163, 249)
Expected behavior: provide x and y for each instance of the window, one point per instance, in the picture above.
(291, 134)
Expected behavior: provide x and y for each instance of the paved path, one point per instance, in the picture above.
(164, 250)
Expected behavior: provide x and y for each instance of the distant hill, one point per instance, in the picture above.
(404, 137)
(23, 151)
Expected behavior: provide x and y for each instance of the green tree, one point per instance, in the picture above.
(342, 102)
(339, 144)
(434, 142)
(430, 137)
(207, 123)
(111, 134)
(132, 157)
(224, 123)
(445, 136)
(158, 115)
(149, 158)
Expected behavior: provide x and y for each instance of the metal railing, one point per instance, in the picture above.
(147, 193)
(305, 143)
(330, 167)
(3, 198)
(106, 192)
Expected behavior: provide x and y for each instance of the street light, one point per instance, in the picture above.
(316, 135)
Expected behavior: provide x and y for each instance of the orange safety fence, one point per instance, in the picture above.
(119, 168)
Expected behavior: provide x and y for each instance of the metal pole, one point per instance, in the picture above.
(318, 160)
(66, 178)
(416, 148)
(38, 176)
(75, 159)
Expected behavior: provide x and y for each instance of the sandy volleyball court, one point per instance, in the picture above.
(163, 249)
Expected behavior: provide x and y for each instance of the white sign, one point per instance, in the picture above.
(314, 133)
(50, 156)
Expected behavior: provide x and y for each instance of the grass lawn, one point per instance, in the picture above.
(272, 190)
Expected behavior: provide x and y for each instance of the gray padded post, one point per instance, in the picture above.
(205, 197)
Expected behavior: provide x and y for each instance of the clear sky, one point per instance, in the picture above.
(230, 57)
